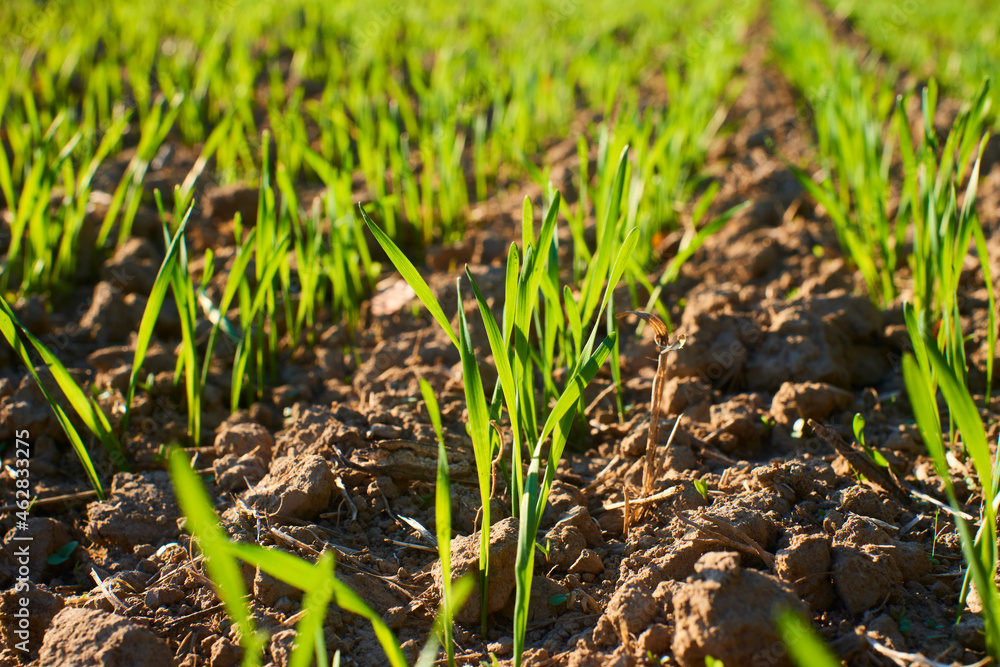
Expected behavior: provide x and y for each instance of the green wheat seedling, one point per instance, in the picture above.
(316, 579)
(516, 362)
(182, 287)
(127, 197)
(852, 108)
(48, 258)
(943, 230)
(453, 594)
(154, 303)
(83, 404)
(942, 41)
(923, 371)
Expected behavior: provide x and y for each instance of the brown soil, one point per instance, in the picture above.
(778, 329)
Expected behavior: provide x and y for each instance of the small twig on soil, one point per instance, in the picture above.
(347, 498)
(627, 511)
(411, 545)
(881, 477)
(746, 542)
(194, 616)
(670, 441)
(764, 555)
(641, 501)
(910, 659)
(108, 593)
(944, 506)
(593, 404)
(291, 541)
(911, 523)
(42, 502)
(600, 476)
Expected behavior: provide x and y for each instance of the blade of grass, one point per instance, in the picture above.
(411, 276)
(9, 326)
(152, 311)
(479, 428)
(220, 563)
(442, 517)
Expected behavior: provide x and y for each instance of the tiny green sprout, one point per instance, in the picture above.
(767, 421)
(713, 662)
(545, 549)
(859, 434)
(63, 554)
(558, 599)
(702, 487)
(817, 251)
(859, 428)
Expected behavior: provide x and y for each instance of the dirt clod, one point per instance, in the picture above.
(808, 400)
(726, 611)
(465, 558)
(245, 438)
(84, 637)
(295, 487)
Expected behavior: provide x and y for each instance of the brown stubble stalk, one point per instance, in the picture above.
(663, 344)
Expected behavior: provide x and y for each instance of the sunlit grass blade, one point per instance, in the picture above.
(84, 405)
(10, 326)
(608, 229)
(442, 518)
(411, 276)
(803, 644)
(316, 579)
(460, 591)
(535, 493)
(243, 350)
(622, 262)
(309, 637)
(479, 429)
(217, 315)
(980, 550)
(154, 304)
(505, 373)
(220, 563)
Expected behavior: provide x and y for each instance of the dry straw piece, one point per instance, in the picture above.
(662, 338)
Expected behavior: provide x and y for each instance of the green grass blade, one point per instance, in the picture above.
(9, 327)
(479, 423)
(309, 638)
(442, 518)
(411, 276)
(622, 261)
(352, 602)
(149, 316)
(980, 555)
(991, 332)
(428, 654)
(220, 563)
(84, 405)
(609, 232)
(965, 414)
(804, 645)
(505, 373)
(277, 256)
